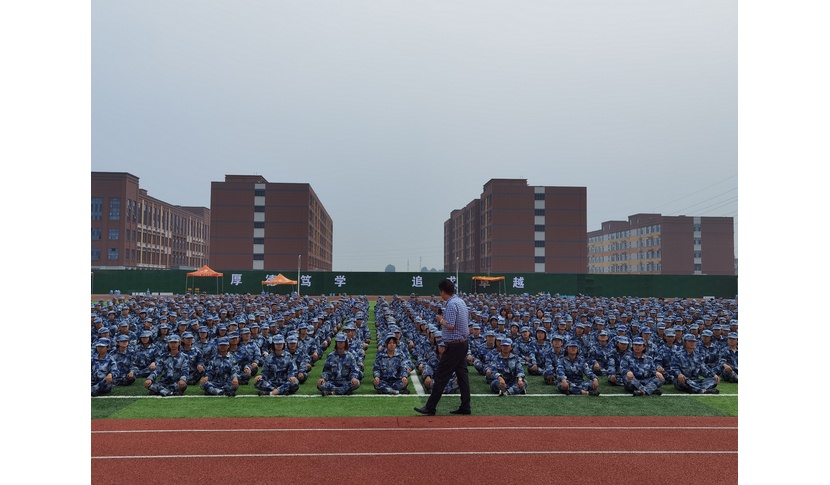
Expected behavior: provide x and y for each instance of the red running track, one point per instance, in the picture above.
(417, 449)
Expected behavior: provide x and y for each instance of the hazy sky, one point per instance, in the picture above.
(397, 113)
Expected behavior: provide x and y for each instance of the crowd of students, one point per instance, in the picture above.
(220, 342)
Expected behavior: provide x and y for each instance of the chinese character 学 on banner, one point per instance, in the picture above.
(340, 280)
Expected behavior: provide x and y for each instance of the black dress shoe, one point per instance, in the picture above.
(460, 411)
(426, 411)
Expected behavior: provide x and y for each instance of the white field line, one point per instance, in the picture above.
(428, 429)
(416, 453)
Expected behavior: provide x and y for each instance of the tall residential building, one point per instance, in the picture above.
(514, 227)
(656, 244)
(130, 229)
(258, 225)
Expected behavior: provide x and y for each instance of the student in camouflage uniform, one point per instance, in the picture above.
(507, 372)
(300, 358)
(144, 355)
(728, 361)
(551, 357)
(390, 369)
(279, 372)
(196, 366)
(615, 358)
(641, 376)
(221, 372)
(341, 371)
(690, 373)
(123, 355)
(104, 369)
(170, 376)
(571, 371)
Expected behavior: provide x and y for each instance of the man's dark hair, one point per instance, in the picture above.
(447, 286)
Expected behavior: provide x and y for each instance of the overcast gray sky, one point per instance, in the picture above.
(397, 113)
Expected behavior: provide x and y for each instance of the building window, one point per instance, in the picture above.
(115, 209)
(539, 244)
(112, 254)
(96, 234)
(539, 259)
(259, 240)
(538, 212)
(259, 225)
(259, 192)
(539, 196)
(113, 235)
(96, 254)
(259, 208)
(259, 257)
(97, 208)
(539, 228)
(698, 267)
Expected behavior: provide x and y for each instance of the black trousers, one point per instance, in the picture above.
(453, 360)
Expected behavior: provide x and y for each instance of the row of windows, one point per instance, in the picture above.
(153, 216)
(623, 245)
(648, 229)
(626, 257)
(624, 268)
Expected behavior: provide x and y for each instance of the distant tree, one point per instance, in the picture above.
(390, 268)
(424, 269)
(433, 270)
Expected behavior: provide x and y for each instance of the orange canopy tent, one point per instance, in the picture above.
(205, 272)
(278, 280)
(484, 281)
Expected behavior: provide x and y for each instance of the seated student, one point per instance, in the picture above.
(300, 358)
(728, 362)
(524, 349)
(551, 356)
(641, 376)
(571, 371)
(598, 355)
(196, 366)
(170, 376)
(429, 367)
(690, 373)
(538, 347)
(123, 355)
(615, 358)
(104, 368)
(221, 372)
(279, 372)
(341, 372)
(144, 355)
(507, 372)
(390, 370)
(481, 352)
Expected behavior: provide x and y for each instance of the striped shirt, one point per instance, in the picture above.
(457, 316)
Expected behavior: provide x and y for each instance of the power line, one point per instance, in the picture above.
(695, 193)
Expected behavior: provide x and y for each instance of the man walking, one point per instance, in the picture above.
(455, 331)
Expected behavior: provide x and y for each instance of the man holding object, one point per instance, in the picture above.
(454, 323)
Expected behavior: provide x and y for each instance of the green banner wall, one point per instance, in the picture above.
(381, 283)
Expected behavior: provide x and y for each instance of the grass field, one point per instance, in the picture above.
(541, 400)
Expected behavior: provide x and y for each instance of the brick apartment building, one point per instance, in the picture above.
(519, 228)
(131, 230)
(656, 244)
(258, 225)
